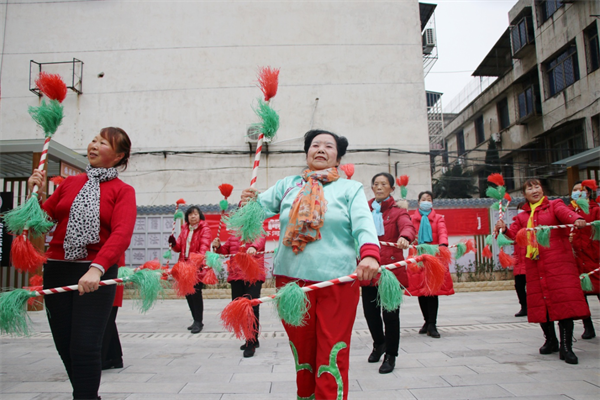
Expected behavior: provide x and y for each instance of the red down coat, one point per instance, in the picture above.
(553, 287)
(440, 236)
(200, 243)
(587, 250)
(397, 224)
(519, 254)
(232, 246)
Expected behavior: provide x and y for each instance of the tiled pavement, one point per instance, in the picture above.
(484, 353)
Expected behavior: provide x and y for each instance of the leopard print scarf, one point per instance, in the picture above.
(83, 227)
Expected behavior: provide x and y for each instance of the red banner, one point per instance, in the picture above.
(466, 221)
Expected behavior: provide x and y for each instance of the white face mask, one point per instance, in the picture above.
(576, 194)
(426, 205)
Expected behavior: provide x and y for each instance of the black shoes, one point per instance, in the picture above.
(377, 352)
(521, 313)
(589, 331)
(551, 344)
(196, 327)
(423, 330)
(389, 362)
(245, 345)
(108, 364)
(432, 331)
(566, 341)
(250, 350)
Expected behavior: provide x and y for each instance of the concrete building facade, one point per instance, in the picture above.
(180, 78)
(542, 111)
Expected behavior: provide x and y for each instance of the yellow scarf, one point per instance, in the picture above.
(533, 251)
(575, 205)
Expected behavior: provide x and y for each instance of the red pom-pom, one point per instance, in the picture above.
(186, 277)
(57, 180)
(487, 252)
(226, 189)
(24, 256)
(52, 86)
(402, 181)
(180, 201)
(434, 274)
(507, 197)
(268, 78)
(521, 238)
(497, 179)
(251, 270)
(412, 252)
(197, 259)
(209, 277)
(348, 170)
(153, 265)
(444, 255)
(590, 183)
(505, 260)
(470, 246)
(36, 280)
(238, 317)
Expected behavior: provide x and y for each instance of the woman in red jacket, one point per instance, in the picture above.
(393, 224)
(519, 273)
(431, 229)
(586, 250)
(95, 215)
(195, 237)
(553, 287)
(236, 278)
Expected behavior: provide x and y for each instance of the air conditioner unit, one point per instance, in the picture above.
(252, 133)
(428, 40)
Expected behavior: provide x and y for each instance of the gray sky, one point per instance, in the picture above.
(466, 32)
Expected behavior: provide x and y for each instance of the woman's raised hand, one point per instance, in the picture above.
(402, 243)
(367, 269)
(500, 225)
(38, 178)
(216, 244)
(248, 194)
(580, 223)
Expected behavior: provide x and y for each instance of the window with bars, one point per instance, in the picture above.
(460, 143)
(526, 102)
(547, 8)
(592, 48)
(479, 130)
(521, 34)
(562, 71)
(503, 114)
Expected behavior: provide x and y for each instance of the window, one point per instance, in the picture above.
(592, 51)
(562, 71)
(567, 142)
(526, 101)
(479, 130)
(596, 130)
(521, 34)
(460, 143)
(503, 116)
(547, 8)
(508, 173)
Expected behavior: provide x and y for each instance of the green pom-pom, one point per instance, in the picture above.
(584, 205)
(586, 283)
(495, 206)
(224, 205)
(503, 240)
(270, 119)
(28, 216)
(403, 192)
(430, 249)
(389, 291)
(489, 240)
(596, 230)
(213, 260)
(13, 312)
(148, 287)
(292, 304)
(178, 215)
(543, 236)
(125, 272)
(496, 193)
(48, 116)
(461, 249)
(167, 255)
(247, 222)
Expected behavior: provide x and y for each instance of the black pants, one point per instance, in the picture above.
(196, 303)
(111, 345)
(244, 289)
(520, 287)
(77, 324)
(429, 307)
(391, 320)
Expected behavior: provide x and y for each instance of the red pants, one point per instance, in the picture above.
(322, 346)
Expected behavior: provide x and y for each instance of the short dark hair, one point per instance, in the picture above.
(389, 177)
(341, 141)
(530, 182)
(425, 192)
(120, 142)
(190, 210)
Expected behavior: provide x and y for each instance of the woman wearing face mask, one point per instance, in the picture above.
(431, 229)
(586, 250)
(195, 237)
(95, 215)
(393, 224)
(553, 286)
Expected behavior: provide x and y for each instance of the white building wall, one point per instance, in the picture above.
(181, 76)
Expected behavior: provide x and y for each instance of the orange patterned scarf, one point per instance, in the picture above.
(307, 214)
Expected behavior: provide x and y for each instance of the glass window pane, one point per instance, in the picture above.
(522, 105)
